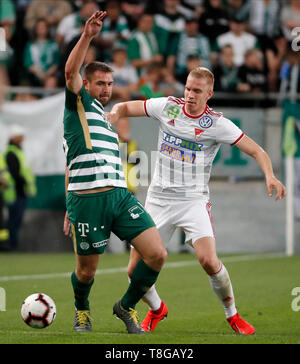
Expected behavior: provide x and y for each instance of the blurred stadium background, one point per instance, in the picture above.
(246, 219)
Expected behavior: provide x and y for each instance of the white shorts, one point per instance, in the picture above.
(193, 216)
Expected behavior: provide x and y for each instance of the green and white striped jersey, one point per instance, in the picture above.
(91, 144)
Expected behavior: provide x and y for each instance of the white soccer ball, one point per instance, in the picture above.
(38, 310)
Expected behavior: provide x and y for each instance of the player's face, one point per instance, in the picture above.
(100, 86)
(196, 94)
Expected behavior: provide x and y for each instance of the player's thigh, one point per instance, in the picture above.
(196, 220)
(162, 214)
(150, 247)
(131, 219)
(90, 217)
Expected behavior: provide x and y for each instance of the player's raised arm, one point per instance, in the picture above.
(251, 148)
(76, 58)
(126, 109)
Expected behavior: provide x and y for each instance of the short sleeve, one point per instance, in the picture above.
(228, 132)
(154, 107)
(71, 100)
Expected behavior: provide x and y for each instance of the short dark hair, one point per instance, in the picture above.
(92, 67)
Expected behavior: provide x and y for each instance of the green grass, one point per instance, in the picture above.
(262, 289)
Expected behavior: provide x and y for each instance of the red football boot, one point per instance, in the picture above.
(154, 317)
(240, 326)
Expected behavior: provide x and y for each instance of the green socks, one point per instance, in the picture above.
(81, 293)
(143, 277)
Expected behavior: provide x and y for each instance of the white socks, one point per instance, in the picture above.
(152, 299)
(221, 284)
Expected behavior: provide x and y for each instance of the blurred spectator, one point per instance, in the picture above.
(7, 23)
(7, 57)
(157, 82)
(238, 9)
(169, 24)
(290, 18)
(214, 21)
(289, 74)
(41, 56)
(52, 10)
(264, 17)
(115, 29)
(133, 10)
(143, 46)
(193, 61)
(3, 82)
(226, 72)
(239, 39)
(8, 15)
(51, 83)
(18, 41)
(7, 192)
(25, 97)
(71, 25)
(24, 182)
(91, 56)
(192, 43)
(191, 8)
(22, 5)
(264, 23)
(252, 74)
(125, 75)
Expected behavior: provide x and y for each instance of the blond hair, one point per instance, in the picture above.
(202, 72)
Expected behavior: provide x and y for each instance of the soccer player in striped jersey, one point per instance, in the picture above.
(98, 201)
(189, 138)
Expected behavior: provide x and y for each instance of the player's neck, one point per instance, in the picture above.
(195, 111)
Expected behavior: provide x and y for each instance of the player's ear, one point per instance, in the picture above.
(210, 94)
(86, 84)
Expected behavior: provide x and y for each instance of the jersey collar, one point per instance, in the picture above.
(194, 116)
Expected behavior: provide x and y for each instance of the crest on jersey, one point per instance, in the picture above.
(205, 122)
(173, 112)
(198, 133)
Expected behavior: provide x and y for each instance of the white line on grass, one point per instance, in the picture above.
(184, 263)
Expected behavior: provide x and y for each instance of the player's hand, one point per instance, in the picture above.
(94, 24)
(273, 183)
(66, 227)
(112, 117)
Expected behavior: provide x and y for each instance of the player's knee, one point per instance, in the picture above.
(85, 275)
(158, 258)
(209, 264)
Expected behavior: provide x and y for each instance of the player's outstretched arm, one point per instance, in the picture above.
(126, 109)
(251, 148)
(76, 58)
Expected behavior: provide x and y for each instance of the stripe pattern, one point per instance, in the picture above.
(98, 164)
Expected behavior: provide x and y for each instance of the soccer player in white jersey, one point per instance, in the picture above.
(189, 138)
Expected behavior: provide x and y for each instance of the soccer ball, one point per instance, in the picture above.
(38, 310)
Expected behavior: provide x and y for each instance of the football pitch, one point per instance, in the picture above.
(264, 287)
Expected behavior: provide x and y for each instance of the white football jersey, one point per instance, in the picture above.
(187, 146)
